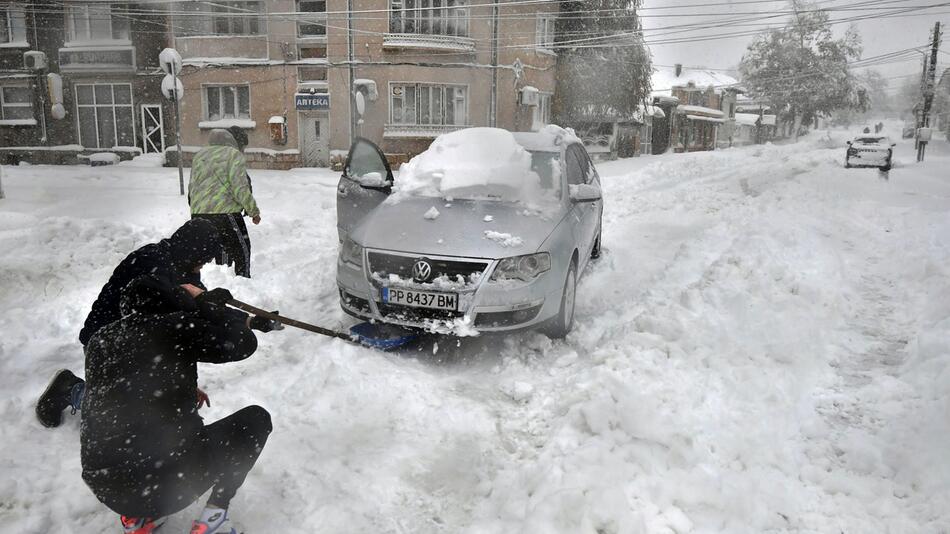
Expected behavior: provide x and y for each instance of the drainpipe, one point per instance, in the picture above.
(350, 54)
(493, 105)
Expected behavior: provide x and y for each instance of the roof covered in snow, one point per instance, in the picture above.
(665, 79)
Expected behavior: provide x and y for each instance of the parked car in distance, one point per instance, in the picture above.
(870, 150)
(487, 229)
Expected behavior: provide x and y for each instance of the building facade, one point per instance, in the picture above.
(98, 62)
(286, 71)
(700, 108)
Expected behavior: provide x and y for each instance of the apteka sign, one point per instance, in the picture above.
(306, 101)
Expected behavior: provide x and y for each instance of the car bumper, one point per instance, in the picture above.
(869, 159)
(487, 306)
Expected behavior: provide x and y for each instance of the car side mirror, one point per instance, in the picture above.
(372, 180)
(849, 143)
(585, 193)
(893, 144)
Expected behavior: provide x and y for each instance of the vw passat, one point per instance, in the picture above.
(487, 229)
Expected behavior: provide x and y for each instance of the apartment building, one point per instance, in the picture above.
(284, 70)
(106, 82)
(287, 71)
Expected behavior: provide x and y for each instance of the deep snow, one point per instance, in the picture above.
(763, 347)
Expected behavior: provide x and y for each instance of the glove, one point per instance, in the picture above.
(218, 296)
(264, 324)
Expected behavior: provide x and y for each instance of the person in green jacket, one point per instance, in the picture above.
(220, 190)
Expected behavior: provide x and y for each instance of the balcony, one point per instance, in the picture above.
(420, 41)
(418, 131)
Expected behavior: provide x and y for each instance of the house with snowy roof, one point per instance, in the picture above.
(699, 105)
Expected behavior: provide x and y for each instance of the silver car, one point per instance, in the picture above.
(481, 263)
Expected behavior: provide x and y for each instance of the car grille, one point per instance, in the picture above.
(416, 315)
(386, 264)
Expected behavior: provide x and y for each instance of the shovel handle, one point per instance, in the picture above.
(288, 321)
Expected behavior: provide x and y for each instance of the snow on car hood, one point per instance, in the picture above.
(475, 163)
(470, 228)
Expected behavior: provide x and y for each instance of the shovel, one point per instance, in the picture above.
(365, 334)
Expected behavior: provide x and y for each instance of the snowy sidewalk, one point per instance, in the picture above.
(764, 347)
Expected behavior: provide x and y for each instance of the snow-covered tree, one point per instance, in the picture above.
(603, 66)
(802, 69)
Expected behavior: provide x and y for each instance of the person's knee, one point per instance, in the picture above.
(259, 419)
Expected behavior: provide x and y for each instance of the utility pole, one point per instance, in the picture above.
(930, 86)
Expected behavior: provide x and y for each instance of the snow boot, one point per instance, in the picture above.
(57, 397)
(213, 521)
(139, 525)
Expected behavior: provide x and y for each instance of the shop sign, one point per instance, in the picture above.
(92, 59)
(312, 102)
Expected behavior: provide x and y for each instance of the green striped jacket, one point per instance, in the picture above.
(219, 182)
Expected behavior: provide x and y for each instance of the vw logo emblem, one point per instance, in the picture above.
(421, 271)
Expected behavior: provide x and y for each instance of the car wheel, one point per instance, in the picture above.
(561, 325)
(595, 252)
(887, 166)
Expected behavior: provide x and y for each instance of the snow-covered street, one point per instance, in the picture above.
(763, 347)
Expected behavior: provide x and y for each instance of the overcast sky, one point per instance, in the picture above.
(664, 19)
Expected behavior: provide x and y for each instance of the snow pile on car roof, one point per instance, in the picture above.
(474, 163)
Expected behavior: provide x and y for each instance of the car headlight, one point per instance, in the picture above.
(524, 268)
(352, 253)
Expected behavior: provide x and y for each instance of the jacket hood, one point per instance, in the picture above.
(221, 137)
(468, 228)
(149, 295)
(197, 242)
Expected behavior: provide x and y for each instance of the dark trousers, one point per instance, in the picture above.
(221, 458)
(237, 244)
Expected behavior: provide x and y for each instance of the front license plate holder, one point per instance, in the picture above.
(431, 300)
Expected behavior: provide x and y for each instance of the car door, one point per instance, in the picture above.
(366, 182)
(586, 214)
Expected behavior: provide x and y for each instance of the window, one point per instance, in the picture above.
(541, 114)
(12, 25)
(425, 104)
(16, 102)
(545, 32)
(96, 22)
(578, 166)
(104, 112)
(431, 17)
(312, 21)
(697, 98)
(313, 52)
(236, 18)
(227, 102)
(311, 74)
(219, 18)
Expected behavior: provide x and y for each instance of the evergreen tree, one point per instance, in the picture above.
(603, 66)
(802, 69)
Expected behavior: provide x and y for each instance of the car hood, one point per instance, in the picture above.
(459, 229)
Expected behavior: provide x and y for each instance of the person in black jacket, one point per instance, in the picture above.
(146, 452)
(178, 258)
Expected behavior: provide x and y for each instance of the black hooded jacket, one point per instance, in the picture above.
(139, 407)
(195, 243)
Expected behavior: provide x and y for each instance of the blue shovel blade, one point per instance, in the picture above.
(383, 336)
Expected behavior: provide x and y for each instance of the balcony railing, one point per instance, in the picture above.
(419, 41)
(418, 131)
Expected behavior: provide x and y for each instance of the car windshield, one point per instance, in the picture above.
(869, 140)
(481, 164)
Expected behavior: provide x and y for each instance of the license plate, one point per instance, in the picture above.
(420, 299)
